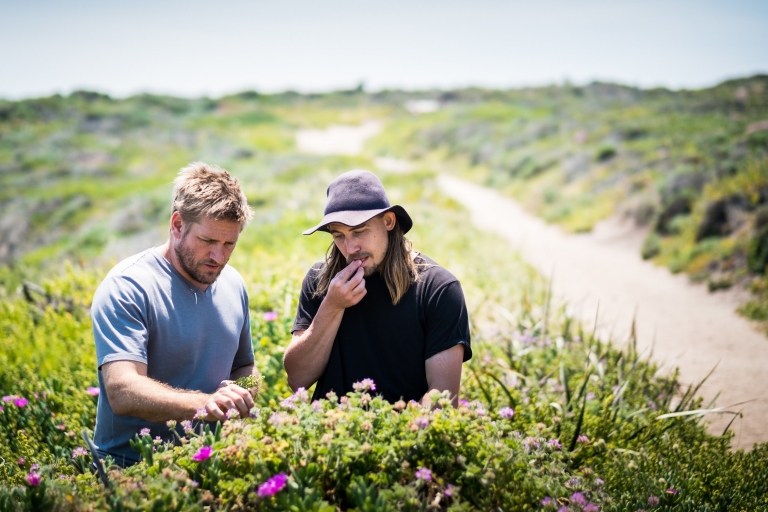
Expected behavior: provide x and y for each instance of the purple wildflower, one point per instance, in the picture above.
(20, 402)
(591, 507)
(506, 412)
(201, 414)
(203, 453)
(79, 452)
(272, 486)
(590, 396)
(21, 461)
(463, 402)
(317, 406)
(187, 426)
(530, 443)
(671, 491)
(563, 509)
(422, 422)
(144, 432)
(93, 391)
(34, 479)
(578, 498)
(546, 501)
(450, 489)
(34, 467)
(424, 474)
(254, 412)
(278, 419)
(582, 439)
(555, 443)
(233, 413)
(9, 398)
(1, 408)
(653, 501)
(270, 316)
(364, 385)
(599, 482)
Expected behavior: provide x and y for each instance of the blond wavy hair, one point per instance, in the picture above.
(202, 190)
(397, 268)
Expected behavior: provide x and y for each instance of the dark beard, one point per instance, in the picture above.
(188, 264)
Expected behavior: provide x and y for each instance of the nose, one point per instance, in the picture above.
(351, 246)
(217, 253)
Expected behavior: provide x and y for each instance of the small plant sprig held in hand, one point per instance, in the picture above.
(251, 383)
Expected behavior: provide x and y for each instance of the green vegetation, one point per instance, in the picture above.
(551, 416)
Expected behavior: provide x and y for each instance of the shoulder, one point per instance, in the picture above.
(431, 274)
(129, 279)
(312, 276)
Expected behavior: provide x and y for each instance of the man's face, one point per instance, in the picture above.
(203, 248)
(367, 242)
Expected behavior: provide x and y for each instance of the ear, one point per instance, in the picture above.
(177, 225)
(389, 221)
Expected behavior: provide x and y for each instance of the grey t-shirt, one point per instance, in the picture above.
(145, 311)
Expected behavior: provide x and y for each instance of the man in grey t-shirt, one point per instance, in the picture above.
(171, 324)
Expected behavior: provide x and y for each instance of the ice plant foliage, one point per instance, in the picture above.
(272, 486)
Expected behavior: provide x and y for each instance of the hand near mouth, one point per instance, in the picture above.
(348, 287)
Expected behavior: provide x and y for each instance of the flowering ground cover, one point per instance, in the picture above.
(550, 417)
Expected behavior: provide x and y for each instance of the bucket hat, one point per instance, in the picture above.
(356, 197)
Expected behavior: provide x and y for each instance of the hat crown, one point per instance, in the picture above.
(356, 191)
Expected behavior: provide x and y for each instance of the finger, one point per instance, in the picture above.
(355, 280)
(236, 401)
(246, 395)
(215, 412)
(350, 269)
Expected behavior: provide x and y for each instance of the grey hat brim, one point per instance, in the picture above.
(353, 218)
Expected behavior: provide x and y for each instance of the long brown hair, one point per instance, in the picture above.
(397, 268)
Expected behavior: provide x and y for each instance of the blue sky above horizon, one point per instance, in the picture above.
(193, 48)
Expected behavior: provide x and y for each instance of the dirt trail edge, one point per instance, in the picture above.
(682, 323)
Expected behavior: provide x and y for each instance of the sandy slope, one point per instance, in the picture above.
(692, 328)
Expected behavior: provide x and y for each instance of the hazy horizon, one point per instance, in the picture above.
(194, 49)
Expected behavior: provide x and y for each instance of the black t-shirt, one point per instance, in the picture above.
(389, 343)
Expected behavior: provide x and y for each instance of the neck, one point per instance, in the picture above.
(170, 255)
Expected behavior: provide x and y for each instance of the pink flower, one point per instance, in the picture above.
(591, 507)
(578, 498)
(463, 402)
(554, 443)
(450, 490)
(506, 412)
(424, 474)
(34, 479)
(93, 391)
(144, 432)
(582, 439)
(187, 426)
(546, 501)
(671, 491)
(9, 398)
(422, 422)
(653, 501)
(201, 414)
(203, 453)
(364, 385)
(79, 452)
(272, 486)
(20, 402)
(21, 461)
(1, 408)
(270, 316)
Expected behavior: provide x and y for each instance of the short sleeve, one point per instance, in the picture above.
(120, 328)
(244, 354)
(308, 303)
(447, 321)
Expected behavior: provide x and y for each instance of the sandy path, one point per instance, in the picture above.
(693, 329)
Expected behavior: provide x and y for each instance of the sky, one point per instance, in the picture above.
(193, 48)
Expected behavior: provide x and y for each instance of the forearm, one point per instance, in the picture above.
(307, 356)
(153, 401)
(244, 371)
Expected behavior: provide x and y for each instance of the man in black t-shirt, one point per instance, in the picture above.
(376, 309)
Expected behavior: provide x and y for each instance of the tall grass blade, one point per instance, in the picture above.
(579, 422)
(482, 387)
(503, 387)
